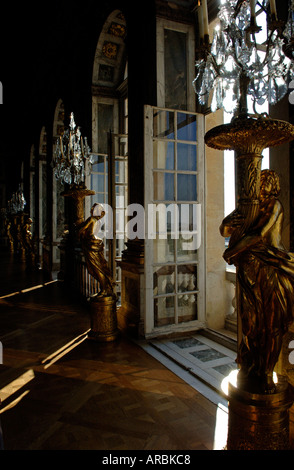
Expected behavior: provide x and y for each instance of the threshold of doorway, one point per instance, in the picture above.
(203, 360)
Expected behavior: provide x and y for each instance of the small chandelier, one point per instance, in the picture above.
(72, 159)
(17, 202)
(244, 59)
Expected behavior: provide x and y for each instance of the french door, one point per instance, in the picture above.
(174, 221)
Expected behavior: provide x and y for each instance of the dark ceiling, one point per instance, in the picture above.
(33, 45)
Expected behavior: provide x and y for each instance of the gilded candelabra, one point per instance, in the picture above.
(237, 66)
(71, 164)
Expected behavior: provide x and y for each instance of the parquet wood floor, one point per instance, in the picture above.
(61, 391)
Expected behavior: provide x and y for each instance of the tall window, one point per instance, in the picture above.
(109, 173)
(58, 206)
(42, 187)
(32, 188)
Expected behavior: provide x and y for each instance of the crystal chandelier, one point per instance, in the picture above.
(244, 59)
(72, 159)
(17, 202)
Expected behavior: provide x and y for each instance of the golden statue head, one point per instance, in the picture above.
(269, 183)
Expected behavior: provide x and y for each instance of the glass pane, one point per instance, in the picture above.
(187, 187)
(189, 231)
(100, 183)
(99, 197)
(186, 157)
(187, 308)
(187, 248)
(186, 127)
(164, 311)
(187, 277)
(189, 218)
(122, 146)
(120, 196)
(97, 183)
(98, 165)
(164, 250)
(175, 69)
(164, 189)
(163, 155)
(164, 280)
(120, 223)
(163, 124)
(120, 246)
(104, 124)
(163, 220)
(120, 171)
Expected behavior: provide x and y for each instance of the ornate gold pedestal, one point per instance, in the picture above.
(71, 241)
(78, 195)
(103, 319)
(258, 421)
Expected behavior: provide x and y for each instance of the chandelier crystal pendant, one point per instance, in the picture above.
(251, 54)
(72, 159)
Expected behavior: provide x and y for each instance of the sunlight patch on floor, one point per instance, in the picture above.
(13, 387)
(23, 291)
(221, 428)
(49, 360)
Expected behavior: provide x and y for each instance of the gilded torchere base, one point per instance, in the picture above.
(259, 421)
(103, 319)
(78, 194)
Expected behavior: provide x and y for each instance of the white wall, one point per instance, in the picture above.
(218, 290)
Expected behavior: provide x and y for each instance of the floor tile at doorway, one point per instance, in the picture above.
(205, 359)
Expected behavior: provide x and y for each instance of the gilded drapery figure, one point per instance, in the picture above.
(265, 276)
(93, 249)
(27, 239)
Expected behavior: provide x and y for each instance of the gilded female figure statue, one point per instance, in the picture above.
(27, 239)
(265, 278)
(9, 234)
(93, 247)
